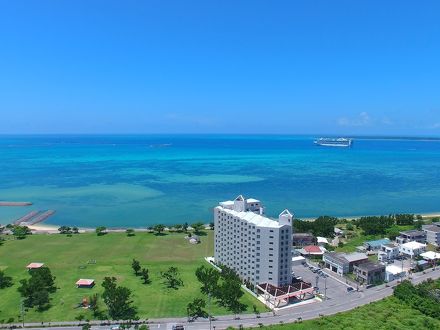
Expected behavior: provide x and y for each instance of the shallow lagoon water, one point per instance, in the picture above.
(143, 180)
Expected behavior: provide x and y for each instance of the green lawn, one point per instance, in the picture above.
(389, 313)
(113, 254)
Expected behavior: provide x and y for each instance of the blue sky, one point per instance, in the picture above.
(340, 67)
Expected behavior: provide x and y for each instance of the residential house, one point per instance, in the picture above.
(321, 241)
(302, 239)
(393, 272)
(388, 252)
(312, 250)
(342, 263)
(430, 255)
(410, 236)
(376, 244)
(338, 232)
(369, 272)
(412, 249)
(432, 234)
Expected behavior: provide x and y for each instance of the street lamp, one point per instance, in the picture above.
(22, 311)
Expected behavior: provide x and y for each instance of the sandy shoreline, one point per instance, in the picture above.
(353, 217)
(54, 228)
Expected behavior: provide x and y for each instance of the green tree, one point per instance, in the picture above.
(130, 232)
(229, 294)
(20, 232)
(145, 275)
(171, 278)
(209, 278)
(36, 289)
(159, 229)
(178, 228)
(195, 309)
(41, 300)
(100, 231)
(118, 300)
(229, 291)
(94, 305)
(5, 281)
(65, 230)
(75, 230)
(136, 265)
(198, 227)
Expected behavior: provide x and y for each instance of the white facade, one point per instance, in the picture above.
(413, 248)
(393, 272)
(256, 247)
(388, 252)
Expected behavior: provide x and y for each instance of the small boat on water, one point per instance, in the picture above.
(334, 142)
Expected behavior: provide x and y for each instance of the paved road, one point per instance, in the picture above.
(306, 312)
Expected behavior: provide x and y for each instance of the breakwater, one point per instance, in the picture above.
(3, 203)
(34, 217)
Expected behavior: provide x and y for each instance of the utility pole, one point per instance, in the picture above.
(209, 309)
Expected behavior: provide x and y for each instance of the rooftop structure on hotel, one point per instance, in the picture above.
(256, 247)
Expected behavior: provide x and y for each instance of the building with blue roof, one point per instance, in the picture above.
(376, 244)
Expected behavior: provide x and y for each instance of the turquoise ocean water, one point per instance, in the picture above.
(143, 180)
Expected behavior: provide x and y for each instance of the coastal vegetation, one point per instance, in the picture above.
(88, 256)
(322, 226)
(386, 314)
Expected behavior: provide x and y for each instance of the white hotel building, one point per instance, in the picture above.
(256, 247)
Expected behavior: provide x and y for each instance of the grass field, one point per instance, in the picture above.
(389, 313)
(113, 254)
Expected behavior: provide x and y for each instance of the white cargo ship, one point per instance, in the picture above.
(334, 142)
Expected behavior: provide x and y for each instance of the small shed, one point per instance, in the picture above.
(321, 240)
(85, 283)
(423, 264)
(34, 265)
(194, 239)
(298, 260)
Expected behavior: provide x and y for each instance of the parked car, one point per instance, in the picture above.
(350, 288)
(178, 327)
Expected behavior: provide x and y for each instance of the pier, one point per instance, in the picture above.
(34, 217)
(3, 203)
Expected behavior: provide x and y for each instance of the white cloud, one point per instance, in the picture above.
(363, 119)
